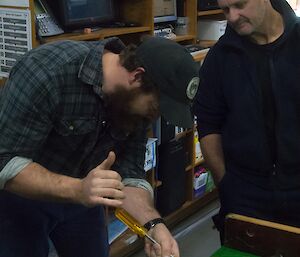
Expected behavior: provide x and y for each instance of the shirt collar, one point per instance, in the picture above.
(90, 71)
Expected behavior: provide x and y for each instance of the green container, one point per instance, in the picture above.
(210, 185)
(228, 252)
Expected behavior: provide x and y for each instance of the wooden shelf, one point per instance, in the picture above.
(122, 31)
(207, 43)
(2, 81)
(181, 38)
(199, 162)
(189, 167)
(98, 34)
(210, 12)
(199, 57)
(127, 243)
(158, 183)
(183, 134)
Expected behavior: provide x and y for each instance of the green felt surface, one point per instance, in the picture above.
(228, 252)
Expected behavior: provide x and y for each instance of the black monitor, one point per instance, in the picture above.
(76, 14)
(164, 11)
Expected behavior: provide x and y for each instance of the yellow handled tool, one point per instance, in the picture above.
(133, 224)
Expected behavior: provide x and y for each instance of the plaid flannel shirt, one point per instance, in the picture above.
(51, 111)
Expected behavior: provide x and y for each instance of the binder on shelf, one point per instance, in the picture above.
(198, 152)
(115, 229)
(150, 154)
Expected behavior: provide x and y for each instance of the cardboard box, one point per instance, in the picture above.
(163, 7)
(200, 179)
(211, 29)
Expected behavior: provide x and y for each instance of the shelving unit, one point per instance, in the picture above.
(141, 12)
(184, 38)
(210, 12)
(200, 57)
(98, 34)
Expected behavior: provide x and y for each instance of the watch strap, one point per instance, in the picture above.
(152, 223)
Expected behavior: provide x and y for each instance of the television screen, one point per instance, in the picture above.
(74, 14)
(164, 11)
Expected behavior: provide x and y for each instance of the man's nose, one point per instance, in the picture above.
(233, 15)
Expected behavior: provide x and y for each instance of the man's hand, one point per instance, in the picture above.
(167, 245)
(103, 185)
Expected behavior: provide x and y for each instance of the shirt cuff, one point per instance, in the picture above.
(140, 183)
(13, 168)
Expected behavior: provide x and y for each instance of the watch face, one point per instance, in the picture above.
(152, 223)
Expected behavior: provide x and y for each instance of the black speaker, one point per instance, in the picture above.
(204, 5)
(180, 8)
(171, 171)
(167, 131)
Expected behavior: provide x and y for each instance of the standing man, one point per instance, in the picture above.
(248, 111)
(73, 121)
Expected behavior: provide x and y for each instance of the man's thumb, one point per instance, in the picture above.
(108, 162)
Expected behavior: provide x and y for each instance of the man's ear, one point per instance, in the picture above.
(136, 75)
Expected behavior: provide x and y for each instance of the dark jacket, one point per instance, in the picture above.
(229, 103)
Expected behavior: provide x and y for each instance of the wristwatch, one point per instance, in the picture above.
(152, 223)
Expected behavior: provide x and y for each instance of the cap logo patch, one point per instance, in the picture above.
(192, 88)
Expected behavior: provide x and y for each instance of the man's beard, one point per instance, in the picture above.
(119, 111)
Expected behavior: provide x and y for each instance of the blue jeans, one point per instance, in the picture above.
(26, 226)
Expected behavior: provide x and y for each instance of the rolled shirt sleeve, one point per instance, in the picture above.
(139, 183)
(13, 168)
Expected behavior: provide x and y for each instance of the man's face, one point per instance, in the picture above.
(128, 109)
(244, 16)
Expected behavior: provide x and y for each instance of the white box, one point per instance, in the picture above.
(211, 29)
(150, 154)
(15, 3)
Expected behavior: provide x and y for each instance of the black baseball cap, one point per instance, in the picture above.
(173, 69)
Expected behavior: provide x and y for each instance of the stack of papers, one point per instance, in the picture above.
(196, 49)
